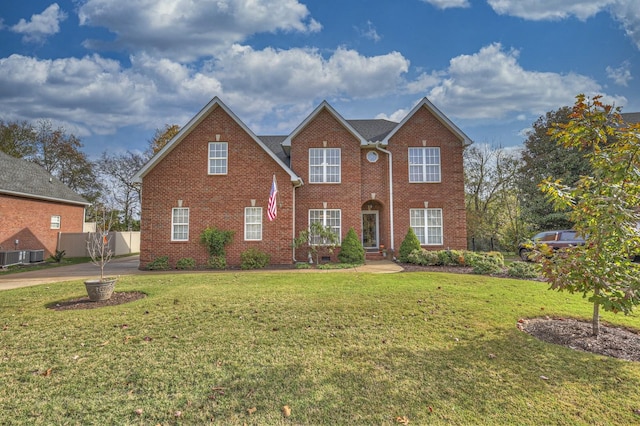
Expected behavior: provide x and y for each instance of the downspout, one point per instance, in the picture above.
(296, 185)
(379, 148)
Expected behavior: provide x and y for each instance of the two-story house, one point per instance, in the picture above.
(376, 176)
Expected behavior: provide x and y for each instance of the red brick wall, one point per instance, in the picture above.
(29, 221)
(214, 200)
(346, 195)
(447, 195)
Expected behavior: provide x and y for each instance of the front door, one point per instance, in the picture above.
(370, 229)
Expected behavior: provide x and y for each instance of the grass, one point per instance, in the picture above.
(335, 347)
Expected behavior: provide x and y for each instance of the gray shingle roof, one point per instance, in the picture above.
(273, 143)
(22, 178)
(631, 117)
(373, 130)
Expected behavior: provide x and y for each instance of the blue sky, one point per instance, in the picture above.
(113, 71)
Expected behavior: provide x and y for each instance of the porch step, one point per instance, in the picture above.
(373, 255)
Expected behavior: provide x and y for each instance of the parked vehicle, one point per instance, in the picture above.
(553, 239)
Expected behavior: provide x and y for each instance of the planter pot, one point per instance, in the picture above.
(100, 290)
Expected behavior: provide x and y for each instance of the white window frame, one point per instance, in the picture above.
(424, 165)
(253, 223)
(55, 222)
(328, 217)
(179, 224)
(218, 163)
(428, 226)
(320, 168)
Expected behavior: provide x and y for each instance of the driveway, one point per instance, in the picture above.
(120, 266)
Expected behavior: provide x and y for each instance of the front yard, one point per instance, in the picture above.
(304, 348)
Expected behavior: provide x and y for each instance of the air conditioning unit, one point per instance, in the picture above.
(36, 256)
(11, 257)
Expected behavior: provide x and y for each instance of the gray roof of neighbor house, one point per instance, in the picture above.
(23, 178)
(631, 117)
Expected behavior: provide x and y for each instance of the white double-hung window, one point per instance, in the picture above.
(218, 158)
(324, 165)
(253, 223)
(328, 218)
(55, 222)
(424, 164)
(180, 224)
(427, 225)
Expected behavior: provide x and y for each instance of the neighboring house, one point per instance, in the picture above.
(376, 176)
(631, 117)
(35, 207)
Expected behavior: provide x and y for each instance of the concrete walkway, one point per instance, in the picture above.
(129, 266)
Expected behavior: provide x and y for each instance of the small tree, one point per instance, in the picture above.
(351, 250)
(409, 244)
(98, 242)
(604, 207)
(215, 240)
(318, 239)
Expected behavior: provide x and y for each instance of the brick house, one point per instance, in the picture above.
(376, 176)
(35, 207)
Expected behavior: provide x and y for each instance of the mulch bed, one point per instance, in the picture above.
(117, 298)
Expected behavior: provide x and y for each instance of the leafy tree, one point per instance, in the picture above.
(161, 137)
(351, 250)
(409, 244)
(541, 158)
(17, 139)
(116, 172)
(318, 239)
(604, 208)
(492, 209)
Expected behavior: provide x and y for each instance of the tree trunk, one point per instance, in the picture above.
(595, 322)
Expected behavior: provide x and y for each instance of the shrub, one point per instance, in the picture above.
(486, 266)
(523, 270)
(215, 240)
(160, 263)
(424, 257)
(186, 263)
(352, 251)
(303, 265)
(409, 244)
(254, 259)
(58, 256)
(496, 257)
(217, 262)
(472, 258)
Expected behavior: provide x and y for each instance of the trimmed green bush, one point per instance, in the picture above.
(424, 257)
(217, 262)
(409, 244)
(351, 250)
(215, 240)
(186, 263)
(160, 263)
(523, 270)
(254, 259)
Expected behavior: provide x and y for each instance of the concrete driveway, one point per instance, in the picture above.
(116, 267)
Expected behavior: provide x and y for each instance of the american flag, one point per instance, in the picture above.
(272, 209)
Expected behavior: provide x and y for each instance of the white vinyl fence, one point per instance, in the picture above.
(75, 244)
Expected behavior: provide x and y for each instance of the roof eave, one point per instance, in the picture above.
(44, 198)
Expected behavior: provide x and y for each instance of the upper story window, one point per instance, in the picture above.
(218, 158)
(253, 223)
(424, 164)
(55, 222)
(324, 165)
(427, 225)
(180, 224)
(328, 218)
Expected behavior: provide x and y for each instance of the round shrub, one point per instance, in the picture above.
(186, 263)
(160, 263)
(424, 257)
(217, 262)
(254, 259)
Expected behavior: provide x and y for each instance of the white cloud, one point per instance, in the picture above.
(370, 32)
(491, 84)
(627, 12)
(186, 30)
(445, 4)
(42, 25)
(620, 75)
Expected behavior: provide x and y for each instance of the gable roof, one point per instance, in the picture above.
(23, 178)
(192, 124)
(425, 103)
(373, 130)
(324, 106)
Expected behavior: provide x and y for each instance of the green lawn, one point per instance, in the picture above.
(336, 347)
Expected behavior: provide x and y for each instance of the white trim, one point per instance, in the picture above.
(56, 224)
(325, 166)
(377, 239)
(173, 223)
(424, 165)
(427, 226)
(226, 158)
(324, 221)
(246, 209)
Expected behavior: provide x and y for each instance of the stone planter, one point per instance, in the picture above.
(100, 290)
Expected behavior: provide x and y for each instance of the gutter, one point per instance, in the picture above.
(297, 184)
(379, 148)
